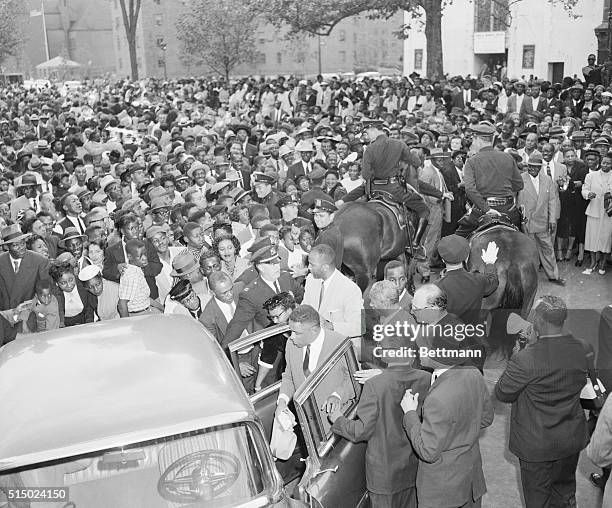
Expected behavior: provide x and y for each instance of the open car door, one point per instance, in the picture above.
(335, 467)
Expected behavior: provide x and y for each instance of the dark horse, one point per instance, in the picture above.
(517, 270)
(371, 235)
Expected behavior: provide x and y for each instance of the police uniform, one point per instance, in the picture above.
(298, 222)
(491, 179)
(331, 234)
(250, 302)
(272, 198)
(381, 169)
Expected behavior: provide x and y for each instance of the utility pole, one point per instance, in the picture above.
(163, 46)
(319, 44)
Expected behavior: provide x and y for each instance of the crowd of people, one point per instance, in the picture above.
(217, 201)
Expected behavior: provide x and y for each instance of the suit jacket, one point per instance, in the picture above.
(456, 408)
(545, 106)
(465, 291)
(558, 170)
(342, 302)
(576, 108)
(296, 169)
(391, 464)
(213, 319)
(250, 151)
(452, 180)
(543, 382)
(90, 304)
(51, 243)
(540, 208)
(114, 256)
(16, 288)
(338, 381)
(459, 102)
(599, 449)
(249, 307)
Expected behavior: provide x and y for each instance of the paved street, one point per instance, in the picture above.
(587, 295)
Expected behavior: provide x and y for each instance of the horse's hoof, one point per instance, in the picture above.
(579, 262)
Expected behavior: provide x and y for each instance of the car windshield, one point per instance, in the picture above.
(213, 468)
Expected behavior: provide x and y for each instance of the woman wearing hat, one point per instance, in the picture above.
(76, 305)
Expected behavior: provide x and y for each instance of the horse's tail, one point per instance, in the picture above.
(513, 292)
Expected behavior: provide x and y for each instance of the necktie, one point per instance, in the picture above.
(277, 287)
(321, 293)
(34, 204)
(16, 264)
(433, 378)
(548, 169)
(306, 364)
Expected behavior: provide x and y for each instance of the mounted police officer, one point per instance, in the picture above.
(491, 180)
(382, 172)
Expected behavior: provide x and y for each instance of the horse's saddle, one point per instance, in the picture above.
(386, 199)
(487, 222)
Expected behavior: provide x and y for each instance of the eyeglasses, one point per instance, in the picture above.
(416, 309)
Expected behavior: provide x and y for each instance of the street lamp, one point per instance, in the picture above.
(163, 46)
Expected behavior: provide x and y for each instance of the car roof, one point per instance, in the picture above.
(91, 387)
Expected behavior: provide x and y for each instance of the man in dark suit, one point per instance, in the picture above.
(270, 281)
(391, 464)
(217, 314)
(308, 348)
(575, 101)
(452, 173)
(456, 408)
(548, 428)
(550, 103)
(303, 166)
(20, 270)
(242, 135)
(464, 97)
(465, 290)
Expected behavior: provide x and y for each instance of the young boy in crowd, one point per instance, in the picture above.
(47, 308)
(134, 292)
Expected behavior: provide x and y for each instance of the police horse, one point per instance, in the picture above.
(373, 235)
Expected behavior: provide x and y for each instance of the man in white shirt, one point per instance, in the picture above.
(308, 348)
(338, 299)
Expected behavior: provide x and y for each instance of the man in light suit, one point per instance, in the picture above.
(20, 270)
(308, 348)
(306, 151)
(337, 298)
(456, 407)
(539, 202)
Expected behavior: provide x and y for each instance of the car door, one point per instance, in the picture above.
(335, 467)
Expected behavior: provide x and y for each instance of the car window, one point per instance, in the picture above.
(272, 342)
(334, 376)
(217, 467)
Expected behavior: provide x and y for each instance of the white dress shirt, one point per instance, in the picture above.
(436, 374)
(535, 180)
(73, 303)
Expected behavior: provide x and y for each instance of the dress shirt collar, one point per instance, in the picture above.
(437, 373)
(315, 350)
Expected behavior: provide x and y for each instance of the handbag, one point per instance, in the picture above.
(283, 440)
(593, 395)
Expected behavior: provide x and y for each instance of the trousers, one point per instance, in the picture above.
(469, 222)
(550, 484)
(546, 251)
(413, 200)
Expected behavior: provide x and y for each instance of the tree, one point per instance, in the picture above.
(218, 33)
(130, 22)
(319, 17)
(11, 32)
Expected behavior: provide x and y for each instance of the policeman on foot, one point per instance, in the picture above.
(329, 233)
(491, 180)
(381, 169)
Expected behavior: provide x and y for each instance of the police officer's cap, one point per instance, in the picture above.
(180, 290)
(483, 130)
(264, 178)
(367, 123)
(453, 249)
(591, 151)
(322, 205)
(267, 254)
(601, 141)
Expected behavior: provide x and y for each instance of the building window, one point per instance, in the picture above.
(300, 57)
(418, 59)
(528, 56)
(159, 41)
(160, 62)
(342, 36)
(491, 15)
(279, 58)
(343, 56)
(262, 37)
(117, 23)
(120, 63)
(158, 20)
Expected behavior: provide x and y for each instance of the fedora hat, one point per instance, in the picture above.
(106, 181)
(69, 234)
(13, 233)
(27, 180)
(183, 264)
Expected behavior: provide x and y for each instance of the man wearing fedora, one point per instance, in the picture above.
(306, 150)
(27, 190)
(539, 201)
(457, 406)
(20, 271)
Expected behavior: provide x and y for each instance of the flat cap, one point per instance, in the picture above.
(453, 249)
